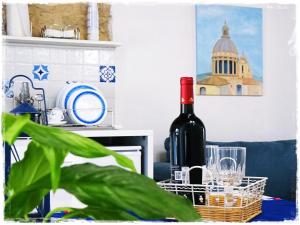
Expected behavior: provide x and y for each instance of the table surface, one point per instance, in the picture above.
(276, 209)
(273, 209)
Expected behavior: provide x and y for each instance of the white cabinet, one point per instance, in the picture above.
(62, 198)
(132, 152)
(135, 144)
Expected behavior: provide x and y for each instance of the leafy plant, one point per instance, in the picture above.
(109, 192)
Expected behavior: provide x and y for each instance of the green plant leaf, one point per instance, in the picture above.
(21, 197)
(12, 126)
(27, 171)
(109, 193)
(114, 188)
(57, 138)
(24, 202)
(55, 159)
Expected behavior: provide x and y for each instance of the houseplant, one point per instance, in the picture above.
(109, 193)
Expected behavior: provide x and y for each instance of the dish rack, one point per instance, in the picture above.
(223, 203)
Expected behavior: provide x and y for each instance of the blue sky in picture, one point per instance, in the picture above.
(245, 30)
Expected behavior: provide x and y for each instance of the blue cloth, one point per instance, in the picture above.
(59, 215)
(277, 210)
(276, 160)
(162, 171)
(272, 210)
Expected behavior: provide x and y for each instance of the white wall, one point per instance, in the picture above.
(158, 46)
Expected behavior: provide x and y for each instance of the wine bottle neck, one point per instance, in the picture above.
(186, 108)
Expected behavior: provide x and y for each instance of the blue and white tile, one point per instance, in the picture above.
(8, 88)
(58, 56)
(107, 74)
(74, 56)
(91, 57)
(40, 55)
(40, 72)
(23, 54)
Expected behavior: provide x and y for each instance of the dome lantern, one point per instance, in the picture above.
(225, 44)
(225, 30)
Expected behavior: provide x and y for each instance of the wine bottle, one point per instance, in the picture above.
(187, 139)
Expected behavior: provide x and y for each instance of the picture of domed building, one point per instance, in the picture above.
(231, 72)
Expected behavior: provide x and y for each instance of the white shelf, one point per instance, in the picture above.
(94, 132)
(59, 42)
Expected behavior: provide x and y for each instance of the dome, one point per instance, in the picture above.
(225, 44)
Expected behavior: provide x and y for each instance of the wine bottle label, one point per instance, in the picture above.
(180, 174)
(185, 175)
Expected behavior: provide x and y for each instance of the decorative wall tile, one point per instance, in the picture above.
(74, 56)
(50, 67)
(58, 56)
(107, 74)
(91, 57)
(40, 55)
(23, 55)
(7, 91)
(40, 72)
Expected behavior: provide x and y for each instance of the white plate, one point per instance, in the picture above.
(65, 93)
(87, 107)
(70, 90)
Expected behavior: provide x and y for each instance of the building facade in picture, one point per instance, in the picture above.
(231, 72)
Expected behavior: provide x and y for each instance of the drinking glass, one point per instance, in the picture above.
(210, 162)
(230, 166)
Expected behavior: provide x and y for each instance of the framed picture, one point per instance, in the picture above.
(229, 50)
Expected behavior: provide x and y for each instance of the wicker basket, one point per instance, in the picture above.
(69, 14)
(220, 203)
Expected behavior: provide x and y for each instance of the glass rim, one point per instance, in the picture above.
(211, 146)
(232, 148)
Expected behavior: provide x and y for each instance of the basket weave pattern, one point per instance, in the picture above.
(226, 204)
(230, 214)
(69, 14)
